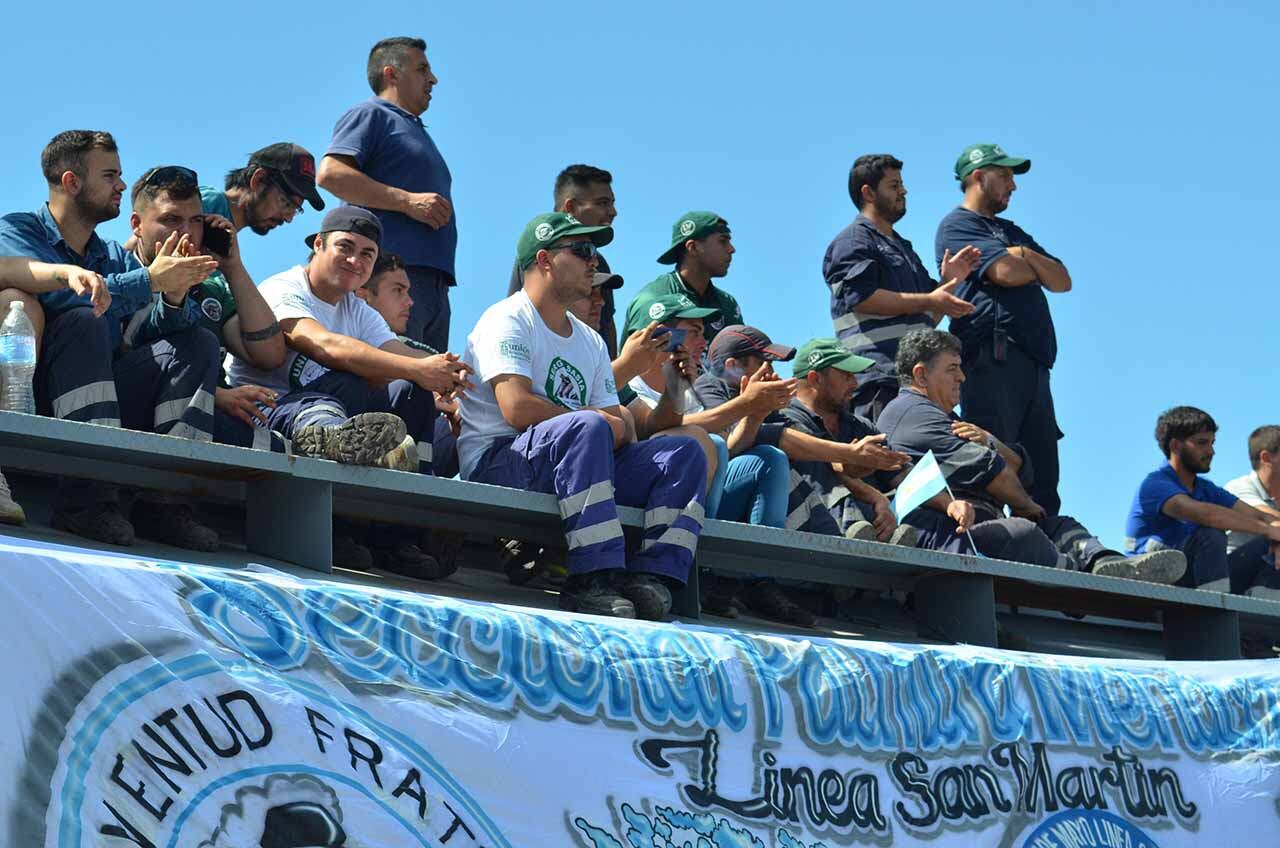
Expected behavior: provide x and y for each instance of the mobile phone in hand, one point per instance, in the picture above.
(217, 240)
(675, 337)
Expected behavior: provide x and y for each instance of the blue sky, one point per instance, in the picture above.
(1154, 172)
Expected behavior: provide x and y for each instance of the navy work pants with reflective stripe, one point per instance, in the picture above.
(430, 314)
(165, 386)
(572, 457)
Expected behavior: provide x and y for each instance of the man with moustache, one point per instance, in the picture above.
(701, 249)
(164, 381)
(381, 157)
(1175, 508)
(545, 417)
(880, 290)
(1010, 344)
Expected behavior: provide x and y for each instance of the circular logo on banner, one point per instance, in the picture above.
(1074, 827)
(686, 227)
(212, 309)
(657, 311)
(543, 232)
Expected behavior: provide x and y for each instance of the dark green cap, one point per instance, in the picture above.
(817, 354)
(977, 156)
(548, 228)
(664, 307)
(695, 226)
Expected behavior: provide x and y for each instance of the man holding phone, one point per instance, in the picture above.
(1009, 341)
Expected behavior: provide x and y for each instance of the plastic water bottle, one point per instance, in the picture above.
(17, 361)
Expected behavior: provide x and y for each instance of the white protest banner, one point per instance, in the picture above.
(162, 704)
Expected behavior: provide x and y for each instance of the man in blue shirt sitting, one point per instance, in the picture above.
(1176, 508)
(161, 378)
(381, 157)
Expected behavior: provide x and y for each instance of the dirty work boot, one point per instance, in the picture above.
(767, 599)
(408, 559)
(861, 531)
(719, 594)
(348, 553)
(172, 523)
(595, 593)
(649, 595)
(519, 560)
(360, 440)
(1165, 566)
(403, 457)
(101, 522)
(445, 546)
(10, 511)
(904, 535)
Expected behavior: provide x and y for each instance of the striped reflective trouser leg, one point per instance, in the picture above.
(843, 507)
(74, 379)
(806, 509)
(575, 453)
(305, 409)
(1077, 547)
(666, 477)
(167, 386)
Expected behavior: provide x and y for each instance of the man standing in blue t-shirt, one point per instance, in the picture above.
(1009, 341)
(880, 290)
(1175, 508)
(381, 157)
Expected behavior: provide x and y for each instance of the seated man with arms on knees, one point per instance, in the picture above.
(21, 280)
(339, 348)
(162, 381)
(166, 204)
(990, 474)
(545, 417)
(826, 372)
(1175, 509)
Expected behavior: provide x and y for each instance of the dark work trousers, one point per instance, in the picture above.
(1011, 400)
(870, 400)
(1209, 566)
(1012, 539)
(430, 313)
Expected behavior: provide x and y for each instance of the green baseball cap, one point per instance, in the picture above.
(665, 307)
(977, 156)
(548, 228)
(817, 354)
(695, 226)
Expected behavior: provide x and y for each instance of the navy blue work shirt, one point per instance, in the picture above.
(35, 235)
(1020, 311)
(802, 419)
(393, 147)
(859, 261)
(712, 391)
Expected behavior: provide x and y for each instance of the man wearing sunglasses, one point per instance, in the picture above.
(545, 417)
(164, 381)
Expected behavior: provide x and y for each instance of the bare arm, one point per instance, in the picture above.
(1006, 489)
(341, 176)
(1241, 517)
(34, 277)
(522, 409)
(1023, 266)
(441, 373)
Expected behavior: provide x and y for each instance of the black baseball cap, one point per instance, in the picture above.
(738, 340)
(350, 219)
(296, 167)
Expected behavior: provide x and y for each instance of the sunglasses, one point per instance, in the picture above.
(168, 174)
(290, 197)
(584, 250)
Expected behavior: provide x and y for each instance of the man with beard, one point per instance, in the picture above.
(381, 157)
(586, 193)
(1009, 340)
(701, 249)
(164, 382)
(1176, 508)
(264, 194)
(880, 290)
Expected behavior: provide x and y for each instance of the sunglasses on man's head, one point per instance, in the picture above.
(584, 250)
(168, 174)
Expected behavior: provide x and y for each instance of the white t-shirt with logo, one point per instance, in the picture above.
(511, 338)
(650, 396)
(289, 296)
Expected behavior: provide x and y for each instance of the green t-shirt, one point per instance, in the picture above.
(214, 202)
(213, 297)
(670, 283)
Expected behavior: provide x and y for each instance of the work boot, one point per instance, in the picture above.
(348, 553)
(410, 560)
(904, 535)
(861, 531)
(101, 522)
(445, 546)
(595, 593)
(1165, 566)
(649, 595)
(403, 457)
(719, 594)
(362, 439)
(10, 511)
(172, 523)
(767, 599)
(519, 560)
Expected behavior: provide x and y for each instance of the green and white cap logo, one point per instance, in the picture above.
(543, 232)
(686, 227)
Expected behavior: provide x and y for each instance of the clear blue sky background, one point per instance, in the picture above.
(1154, 154)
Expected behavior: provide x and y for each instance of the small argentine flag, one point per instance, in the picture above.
(923, 482)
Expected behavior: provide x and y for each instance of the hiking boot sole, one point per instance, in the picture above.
(861, 531)
(403, 457)
(360, 440)
(1164, 567)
